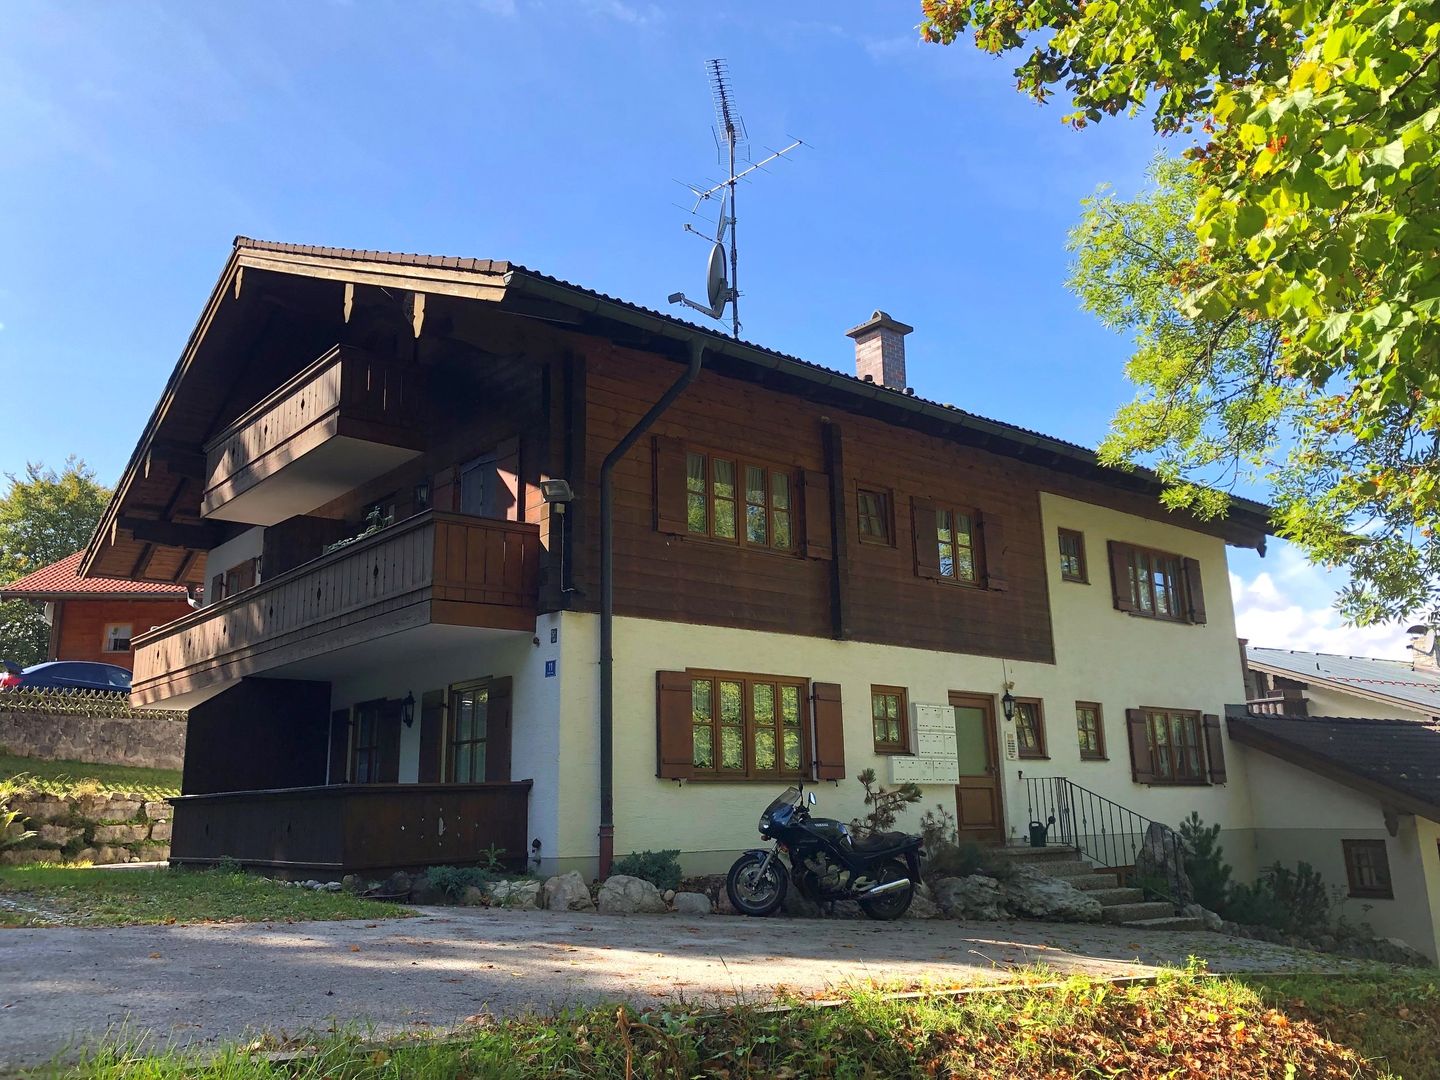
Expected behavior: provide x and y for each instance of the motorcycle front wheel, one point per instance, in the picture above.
(750, 891)
(893, 904)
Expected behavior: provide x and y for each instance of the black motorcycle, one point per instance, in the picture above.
(826, 862)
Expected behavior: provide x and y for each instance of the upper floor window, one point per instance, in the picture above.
(730, 499)
(117, 637)
(746, 726)
(872, 514)
(958, 544)
(1156, 584)
(1072, 556)
(1030, 728)
(890, 718)
(1091, 730)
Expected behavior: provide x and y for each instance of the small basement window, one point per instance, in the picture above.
(1367, 866)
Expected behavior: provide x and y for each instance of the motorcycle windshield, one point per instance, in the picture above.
(781, 809)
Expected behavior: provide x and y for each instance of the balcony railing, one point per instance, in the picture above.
(343, 828)
(345, 419)
(1279, 704)
(445, 568)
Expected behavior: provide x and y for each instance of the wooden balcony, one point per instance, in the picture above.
(434, 568)
(344, 828)
(347, 418)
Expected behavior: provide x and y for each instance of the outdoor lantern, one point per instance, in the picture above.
(1007, 704)
(557, 493)
(407, 709)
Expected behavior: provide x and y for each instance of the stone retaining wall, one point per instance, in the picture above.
(155, 742)
(91, 828)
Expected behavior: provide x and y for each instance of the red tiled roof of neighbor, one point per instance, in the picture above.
(62, 581)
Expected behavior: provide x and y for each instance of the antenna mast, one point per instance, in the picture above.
(730, 135)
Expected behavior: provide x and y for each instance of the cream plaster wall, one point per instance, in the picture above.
(1326, 701)
(1303, 817)
(250, 544)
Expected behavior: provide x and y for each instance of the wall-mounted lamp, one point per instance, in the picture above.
(1007, 704)
(407, 709)
(557, 493)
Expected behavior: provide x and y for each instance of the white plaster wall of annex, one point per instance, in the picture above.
(1301, 816)
(1328, 701)
(1102, 655)
(250, 544)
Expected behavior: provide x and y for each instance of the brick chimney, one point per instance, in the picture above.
(880, 350)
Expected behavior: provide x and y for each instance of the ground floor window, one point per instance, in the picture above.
(1175, 746)
(469, 732)
(365, 744)
(1030, 728)
(1090, 729)
(1367, 866)
(746, 726)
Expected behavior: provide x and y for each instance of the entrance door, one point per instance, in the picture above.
(978, 812)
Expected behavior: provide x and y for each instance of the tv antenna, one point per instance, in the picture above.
(721, 287)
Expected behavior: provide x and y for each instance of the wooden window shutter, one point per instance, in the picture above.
(388, 770)
(670, 502)
(829, 731)
(1142, 769)
(927, 545)
(432, 736)
(1194, 590)
(992, 534)
(340, 746)
(675, 743)
(497, 730)
(217, 588)
(815, 489)
(1120, 576)
(1214, 748)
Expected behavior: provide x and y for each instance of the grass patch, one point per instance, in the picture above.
(87, 896)
(1183, 1026)
(31, 776)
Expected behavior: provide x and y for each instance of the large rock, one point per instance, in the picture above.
(38, 808)
(522, 895)
(922, 904)
(1161, 859)
(56, 835)
(1210, 919)
(474, 896)
(159, 811)
(799, 907)
(972, 897)
(568, 892)
(160, 831)
(1035, 893)
(120, 834)
(28, 856)
(625, 895)
(691, 903)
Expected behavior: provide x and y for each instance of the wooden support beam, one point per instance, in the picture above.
(171, 533)
(178, 459)
(349, 299)
(415, 310)
(239, 280)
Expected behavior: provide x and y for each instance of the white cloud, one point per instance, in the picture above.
(1273, 618)
(634, 14)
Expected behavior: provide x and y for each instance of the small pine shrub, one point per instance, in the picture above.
(660, 868)
(885, 804)
(1291, 901)
(1205, 863)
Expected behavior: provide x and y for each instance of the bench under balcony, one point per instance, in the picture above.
(344, 420)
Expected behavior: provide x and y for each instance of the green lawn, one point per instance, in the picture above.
(21, 775)
(86, 896)
(1376, 1027)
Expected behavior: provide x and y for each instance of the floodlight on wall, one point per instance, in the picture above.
(556, 493)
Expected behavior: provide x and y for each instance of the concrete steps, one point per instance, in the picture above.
(1120, 905)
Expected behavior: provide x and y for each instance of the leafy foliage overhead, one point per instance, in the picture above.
(1315, 216)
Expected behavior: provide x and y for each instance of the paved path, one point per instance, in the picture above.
(196, 984)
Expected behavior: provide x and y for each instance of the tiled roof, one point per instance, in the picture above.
(1395, 680)
(62, 581)
(1401, 756)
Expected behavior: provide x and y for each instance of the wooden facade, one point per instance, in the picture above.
(79, 629)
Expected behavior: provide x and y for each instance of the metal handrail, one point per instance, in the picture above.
(1100, 829)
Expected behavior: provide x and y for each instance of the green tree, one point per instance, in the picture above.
(43, 517)
(1315, 218)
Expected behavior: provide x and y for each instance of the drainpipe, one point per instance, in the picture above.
(607, 603)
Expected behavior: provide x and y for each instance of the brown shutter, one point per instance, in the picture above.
(217, 589)
(927, 542)
(815, 491)
(670, 496)
(388, 770)
(445, 495)
(829, 731)
(1120, 576)
(340, 746)
(432, 736)
(1214, 748)
(497, 730)
(1194, 590)
(675, 745)
(1142, 769)
(992, 534)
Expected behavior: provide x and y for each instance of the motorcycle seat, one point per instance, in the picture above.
(875, 843)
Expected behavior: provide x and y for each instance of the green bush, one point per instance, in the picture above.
(454, 880)
(660, 868)
(946, 856)
(1205, 862)
(1291, 901)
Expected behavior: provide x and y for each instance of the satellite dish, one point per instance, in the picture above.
(717, 289)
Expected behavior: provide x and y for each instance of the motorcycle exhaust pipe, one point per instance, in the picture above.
(889, 886)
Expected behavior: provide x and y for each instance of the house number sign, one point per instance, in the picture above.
(934, 760)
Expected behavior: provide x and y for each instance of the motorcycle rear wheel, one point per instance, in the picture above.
(749, 893)
(893, 904)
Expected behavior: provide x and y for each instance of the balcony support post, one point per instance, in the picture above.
(607, 601)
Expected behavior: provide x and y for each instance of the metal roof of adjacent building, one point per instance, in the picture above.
(1398, 681)
(62, 581)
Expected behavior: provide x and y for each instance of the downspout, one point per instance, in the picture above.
(607, 603)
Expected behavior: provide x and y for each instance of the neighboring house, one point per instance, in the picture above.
(93, 618)
(1359, 800)
(1286, 682)
(389, 470)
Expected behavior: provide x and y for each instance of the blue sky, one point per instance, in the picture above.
(137, 139)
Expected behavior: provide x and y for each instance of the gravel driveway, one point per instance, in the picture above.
(195, 984)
